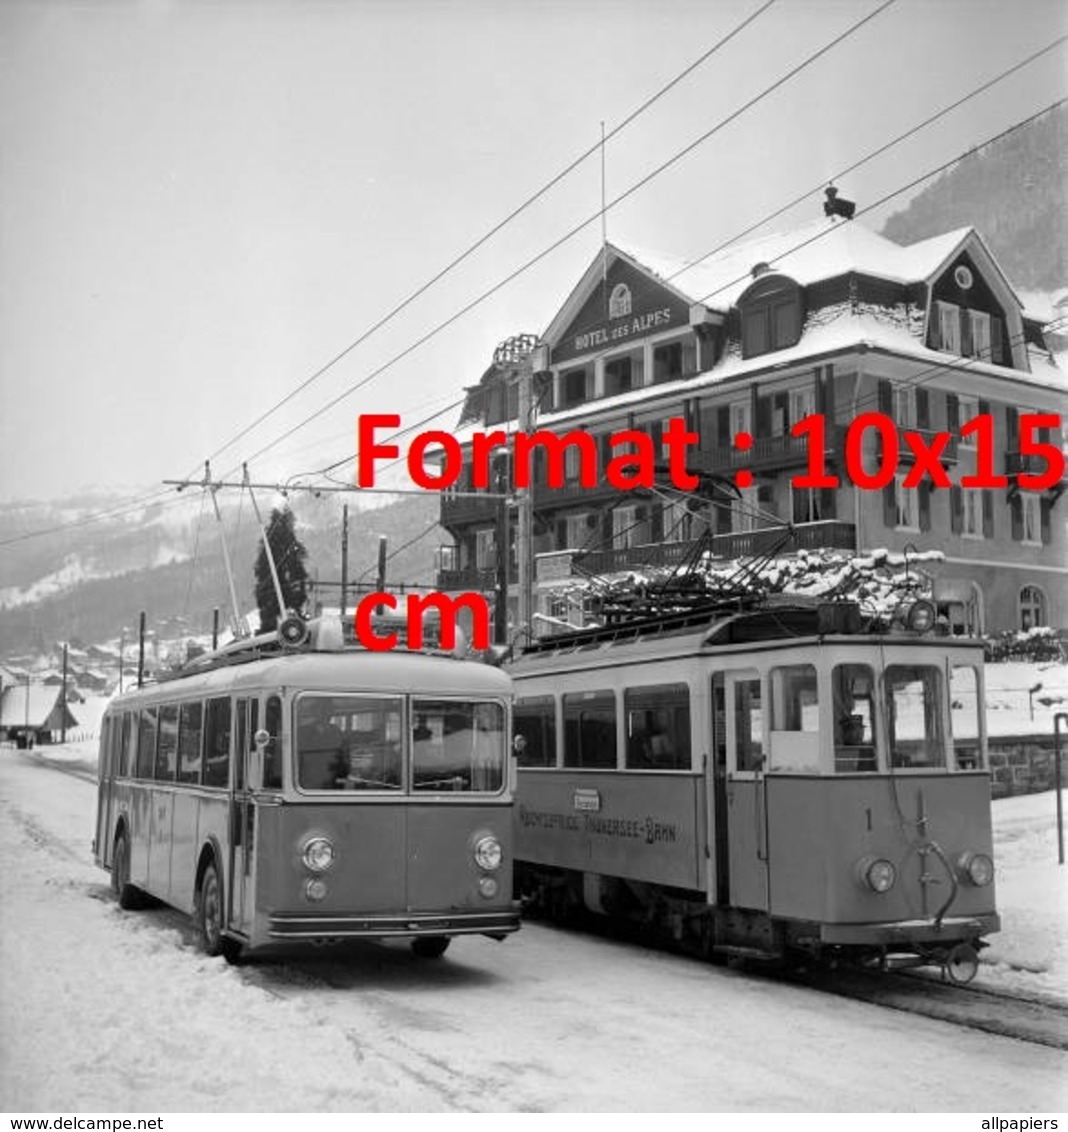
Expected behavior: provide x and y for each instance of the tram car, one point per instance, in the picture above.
(283, 794)
(773, 782)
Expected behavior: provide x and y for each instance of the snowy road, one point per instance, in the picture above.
(105, 1010)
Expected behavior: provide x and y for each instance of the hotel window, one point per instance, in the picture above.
(674, 521)
(573, 387)
(968, 410)
(744, 510)
(1032, 517)
(667, 362)
(905, 406)
(972, 511)
(806, 505)
(948, 327)
(619, 376)
(741, 415)
(578, 531)
(1032, 607)
(485, 549)
(771, 317)
(802, 404)
(980, 336)
(626, 528)
(905, 506)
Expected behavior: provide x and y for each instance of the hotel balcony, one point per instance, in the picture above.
(830, 534)
(769, 453)
(459, 510)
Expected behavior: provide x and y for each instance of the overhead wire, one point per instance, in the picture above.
(575, 230)
(499, 226)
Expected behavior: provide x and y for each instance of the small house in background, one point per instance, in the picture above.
(33, 713)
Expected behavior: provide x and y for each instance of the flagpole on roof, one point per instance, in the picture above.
(604, 228)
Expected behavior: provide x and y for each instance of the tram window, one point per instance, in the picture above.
(794, 698)
(190, 726)
(272, 753)
(748, 725)
(457, 746)
(167, 744)
(217, 743)
(914, 710)
(853, 691)
(349, 742)
(658, 727)
(146, 743)
(590, 729)
(535, 724)
(964, 717)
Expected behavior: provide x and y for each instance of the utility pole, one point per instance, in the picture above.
(141, 651)
(344, 559)
(63, 724)
(522, 356)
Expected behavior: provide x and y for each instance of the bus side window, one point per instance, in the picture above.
(146, 743)
(129, 744)
(217, 743)
(272, 755)
(190, 733)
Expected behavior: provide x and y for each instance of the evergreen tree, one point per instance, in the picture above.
(289, 554)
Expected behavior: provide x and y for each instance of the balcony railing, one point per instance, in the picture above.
(479, 579)
(1031, 465)
(615, 561)
(830, 534)
(460, 509)
(768, 453)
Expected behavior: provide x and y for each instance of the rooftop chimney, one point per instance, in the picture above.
(832, 206)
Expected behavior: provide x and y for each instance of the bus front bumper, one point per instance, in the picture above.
(296, 926)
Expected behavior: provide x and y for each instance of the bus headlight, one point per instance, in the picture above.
(877, 873)
(976, 868)
(318, 854)
(488, 853)
(315, 889)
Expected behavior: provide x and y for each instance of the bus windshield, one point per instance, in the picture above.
(457, 745)
(349, 742)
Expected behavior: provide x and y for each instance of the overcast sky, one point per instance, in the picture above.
(201, 203)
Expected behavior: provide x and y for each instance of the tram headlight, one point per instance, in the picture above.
(976, 868)
(318, 854)
(488, 853)
(877, 873)
(488, 887)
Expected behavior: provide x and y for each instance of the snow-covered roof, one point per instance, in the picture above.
(44, 700)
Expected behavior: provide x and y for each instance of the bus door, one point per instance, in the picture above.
(242, 816)
(105, 789)
(747, 827)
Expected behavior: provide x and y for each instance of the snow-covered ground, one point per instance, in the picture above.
(106, 1010)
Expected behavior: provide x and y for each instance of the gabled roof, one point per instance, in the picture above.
(45, 711)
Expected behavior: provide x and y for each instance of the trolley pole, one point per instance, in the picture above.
(141, 651)
(344, 559)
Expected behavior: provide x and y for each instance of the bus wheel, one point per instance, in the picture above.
(430, 946)
(210, 912)
(127, 895)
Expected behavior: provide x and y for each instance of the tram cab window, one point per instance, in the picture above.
(190, 733)
(535, 725)
(658, 727)
(914, 715)
(590, 729)
(748, 725)
(146, 743)
(853, 691)
(217, 743)
(964, 717)
(457, 746)
(794, 741)
(167, 745)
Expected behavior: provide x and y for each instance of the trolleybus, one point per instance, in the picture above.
(310, 794)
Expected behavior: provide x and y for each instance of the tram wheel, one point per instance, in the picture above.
(128, 895)
(430, 946)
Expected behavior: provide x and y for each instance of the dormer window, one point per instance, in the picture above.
(949, 327)
(771, 315)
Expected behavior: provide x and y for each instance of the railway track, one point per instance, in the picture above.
(1028, 1018)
